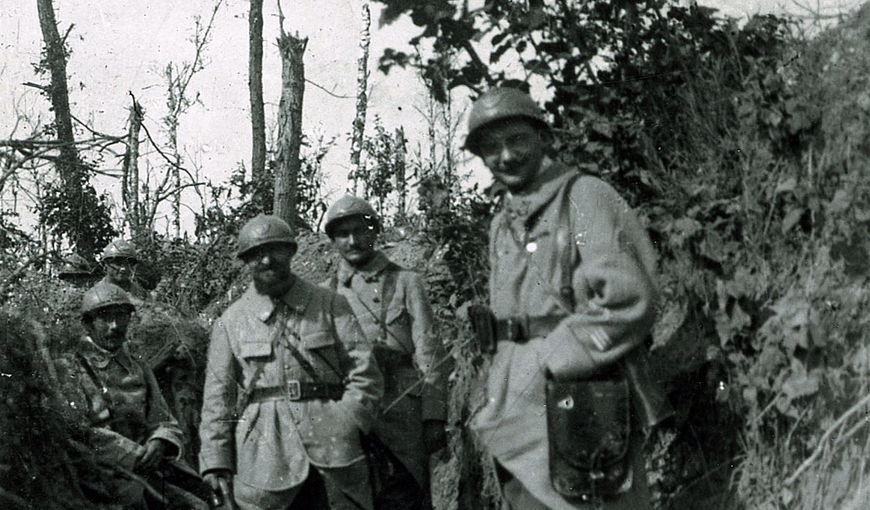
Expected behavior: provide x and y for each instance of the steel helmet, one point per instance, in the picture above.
(119, 249)
(501, 103)
(264, 229)
(75, 265)
(346, 207)
(103, 295)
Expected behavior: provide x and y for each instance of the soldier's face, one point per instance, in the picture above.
(354, 239)
(108, 327)
(270, 268)
(121, 270)
(513, 151)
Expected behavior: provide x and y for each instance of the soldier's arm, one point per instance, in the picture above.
(160, 420)
(217, 424)
(613, 285)
(429, 351)
(365, 385)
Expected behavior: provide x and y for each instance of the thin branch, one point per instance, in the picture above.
(177, 190)
(168, 160)
(328, 92)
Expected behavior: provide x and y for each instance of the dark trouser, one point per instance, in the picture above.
(398, 490)
(344, 488)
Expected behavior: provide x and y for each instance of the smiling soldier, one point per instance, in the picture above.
(572, 296)
(290, 385)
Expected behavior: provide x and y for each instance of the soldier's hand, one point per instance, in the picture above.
(434, 436)
(155, 450)
(221, 482)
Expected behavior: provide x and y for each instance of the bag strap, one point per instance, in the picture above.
(565, 235)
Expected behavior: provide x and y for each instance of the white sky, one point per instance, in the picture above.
(121, 46)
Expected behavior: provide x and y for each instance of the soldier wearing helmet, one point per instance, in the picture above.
(290, 384)
(117, 397)
(572, 297)
(393, 308)
(120, 259)
(76, 270)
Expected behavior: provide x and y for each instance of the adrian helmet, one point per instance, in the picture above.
(498, 104)
(346, 207)
(104, 295)
(264, 229)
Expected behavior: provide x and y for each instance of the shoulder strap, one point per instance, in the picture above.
(566, 237)
(388, 290)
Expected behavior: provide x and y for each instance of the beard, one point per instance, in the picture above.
(273, 281)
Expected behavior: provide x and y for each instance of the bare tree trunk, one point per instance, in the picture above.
(292, 49)
(69, 168)
(401, 178)
(359, 123)
(433, 138)
(255, 88)
(130, 182)
(175, 102)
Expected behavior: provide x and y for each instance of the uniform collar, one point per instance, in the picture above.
(265, 307)
(524, 204)
(98, 357)
(370, 272)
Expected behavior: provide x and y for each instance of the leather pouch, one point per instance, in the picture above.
(589, 432)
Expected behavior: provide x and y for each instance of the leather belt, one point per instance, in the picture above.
(298, 390)
(521, 329)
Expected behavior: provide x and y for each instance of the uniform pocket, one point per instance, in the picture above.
(249, 350)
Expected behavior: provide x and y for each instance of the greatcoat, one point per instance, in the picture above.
(271, 443)
(611, 268)
(118, 398)
(392, 306)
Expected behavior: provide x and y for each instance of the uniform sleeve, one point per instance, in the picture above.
(613, 284)
(365, 385)
(217, 424)
(430, 355)
(160, 420)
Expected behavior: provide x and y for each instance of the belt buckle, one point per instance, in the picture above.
(294, 390)
(514, 333)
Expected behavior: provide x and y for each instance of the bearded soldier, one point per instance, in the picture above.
(572, 297)
(290, 386)
(391, 304)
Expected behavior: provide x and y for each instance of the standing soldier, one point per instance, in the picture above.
(572, 296)
(290, 385)
(391, 304)
(118, 399)
(120, 259)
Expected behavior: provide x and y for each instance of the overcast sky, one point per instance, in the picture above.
(121, 46)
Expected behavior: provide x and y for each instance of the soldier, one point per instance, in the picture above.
(119, 259)
(290, 385)
(391, 304)
(77, 271)
(572, 296)
(118, 399)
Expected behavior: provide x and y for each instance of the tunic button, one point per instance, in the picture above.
(376, 299)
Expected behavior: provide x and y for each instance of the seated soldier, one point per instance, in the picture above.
(131, 429)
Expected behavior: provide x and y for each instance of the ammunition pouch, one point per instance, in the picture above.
(589, 434)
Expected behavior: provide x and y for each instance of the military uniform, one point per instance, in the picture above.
(393, 309)
(118, 398)
(611, 278)
(278, 436)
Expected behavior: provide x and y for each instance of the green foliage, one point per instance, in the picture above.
(82, 217)
(755, 195)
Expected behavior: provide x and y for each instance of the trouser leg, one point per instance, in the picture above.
(401, 491)
(349, 487)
